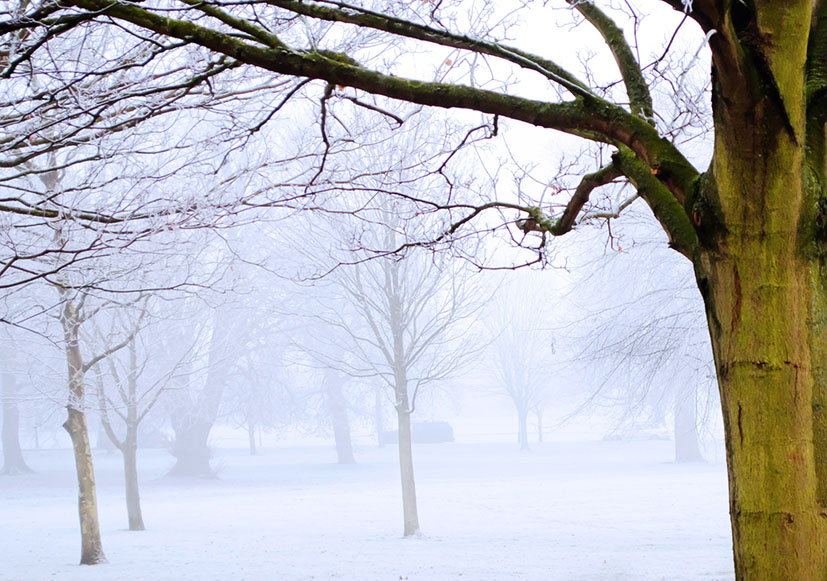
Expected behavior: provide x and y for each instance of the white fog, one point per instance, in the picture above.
(298, 476)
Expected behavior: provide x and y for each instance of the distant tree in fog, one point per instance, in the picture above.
(337, 406)
(13, 461)
(406, 321)
(259, 395)
(646, 345)
(197, 399)
(522, 351)
(225, 324)
(129, 383)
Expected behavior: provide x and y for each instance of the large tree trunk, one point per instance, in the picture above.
(337, 406)
(766, 384)
(13, 462)
(687, 445)
(191, 450)
(755, 270)
(192, 430)
(406, 471)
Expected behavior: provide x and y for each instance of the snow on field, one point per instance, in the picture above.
(568, 511)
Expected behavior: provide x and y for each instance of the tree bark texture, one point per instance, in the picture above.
(755, 268)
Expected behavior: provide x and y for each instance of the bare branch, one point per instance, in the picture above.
(581, 195)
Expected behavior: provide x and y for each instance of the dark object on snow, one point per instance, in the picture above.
(424, 433)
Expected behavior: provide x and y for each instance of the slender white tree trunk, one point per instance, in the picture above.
(406, 470)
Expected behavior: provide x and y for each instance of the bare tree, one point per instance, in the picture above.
(337, 406)
(196, 410)
(522, 351)
(74, 313)
(126, 390)
(407, 322)
(259, 394)
(645, 341)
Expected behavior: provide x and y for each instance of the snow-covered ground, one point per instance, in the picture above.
(566, 510)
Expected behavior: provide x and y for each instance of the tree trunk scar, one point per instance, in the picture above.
(736, 309)
(796, 457)
(740, 428)
(796, 368)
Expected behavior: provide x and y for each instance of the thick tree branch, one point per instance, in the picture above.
(398, 27)
(640, 101)
(668, 211)
(95, 217)
(256, 32)
(604, 121)
(581, 195)
(35, 19)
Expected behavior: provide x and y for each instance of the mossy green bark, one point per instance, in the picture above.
(762, 286)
